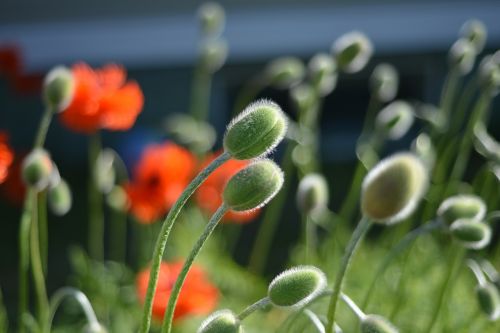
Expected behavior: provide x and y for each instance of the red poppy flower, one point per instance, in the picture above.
(163, 171)
(198, 296)
(102, 99)
(6, 156)
(208, 196)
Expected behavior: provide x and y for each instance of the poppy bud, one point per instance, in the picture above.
(105, 174)
(395, 120)
(255, 131)
(384, 82)
(253, 186)
(55, 176)
(37, 169)
(472, 234)
(222, 321)
(214, 54)
(422, 146)
(489, 74)
(60, 198)
(467, 206)
(285, 72)
(462, 56)
(323, 73)
(58, 88)
(377, 324)
(117, 198)
(475, 31)
(212, 18)
(312, 194)
(352, 51)
(393, 188)
(296, 286)
(489, 300)
(303, 96)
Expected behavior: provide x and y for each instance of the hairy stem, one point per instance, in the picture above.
(260, 304)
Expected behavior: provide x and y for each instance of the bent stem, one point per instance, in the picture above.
(357, 235)
(165, 232)
(260, 304)
(174, 295)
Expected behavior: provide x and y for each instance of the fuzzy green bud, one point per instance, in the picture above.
(395, 120)
(475, 31)
(462, 56)
(296, 286)
(105, 174)
(471, 234)
(285, 72)
(352, 51)
(467, 206)
(212, 18)
(384, 82)
(214, 54)
(393, 188)
(256, 131)
(37, 169)
(58, 88)
(60, 198)
(489, 300)
(312, 194)
(489, 74)
(323, 73)
(223, 321)
(377, 324)
(253, 186)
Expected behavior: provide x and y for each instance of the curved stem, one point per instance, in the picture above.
(176, 290)
(349, 205)
(315, 320)
(260, 304)
(359, 313)
(356, 237)
(43, 128)
(476, 270)
(165, 232)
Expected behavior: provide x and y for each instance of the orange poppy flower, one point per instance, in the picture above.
(102, 99)
(198, 296)
(6, 156)
(208, 196)
(159, 178)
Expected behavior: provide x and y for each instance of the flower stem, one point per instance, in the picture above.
(260, 304)
(165, 232)
(118, 242)
(96, 218)
(200, 93)
(356, 237)
(174, 295)
(43, 230)
(43, 128)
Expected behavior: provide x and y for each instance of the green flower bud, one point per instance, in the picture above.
(58, 88)
(384, 82)
(395, 120)
(475, 31)
(422, 146)
(296, 286)
(105, 174)
(377, 324)
(312, 194)
(199, 136)
(37, 169)
(214, 54)
(256, 131)
(117, 199)
(285, 72)
(303, 96)
(253, 186)
(323, 73)
(352, 51)
(471, 234)
(223, 321)
(393, 188)
(489, 300)
(489, 74)
(55, 176)
(467, 206)
(462, 56)
(212, 18)
(60, 198)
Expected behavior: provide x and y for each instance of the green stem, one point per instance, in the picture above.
(43, 230)
(118, 241)
(369, 122)
(174, 295)
(200, 93)
(449, 92)
(165, 232)
(349, 205)
(260, 304)
(462, 105)
(310, 237)
(356, 238)
(43, 128)
(96, 216)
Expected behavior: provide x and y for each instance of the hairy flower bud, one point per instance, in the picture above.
(212, 18)
(312, 194)
(384, 82)
(285, 72)
(222, 321)
(214, 54)
(255, 131)
(377, 324)
(465, 206)
(489, 300)
(395, 120)
(475, 31)
(58, 88)
(323, 73)
(489, 74)
(37, 169)
(60, 198)
(352, 51)
(296, 286)
(471, 234)
(253, 186)
(393, 188)
(462, 56)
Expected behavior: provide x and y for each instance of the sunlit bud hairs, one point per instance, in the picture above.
(214, 54)
(105, 174)
(223, 321)
(58, 88)
(285, 72)
(395, 120)
(37, 169)
(212, 19)
(384, 82)
(352, 51)
(256, 131)
(464, 206)
(471, 234)
(296, 286)
(462, 56)
(393, 188)
(60, 198)
(253, 186)
(323, 73)
(377, 324)
(475, 31)
(312, 194)
(489, 74)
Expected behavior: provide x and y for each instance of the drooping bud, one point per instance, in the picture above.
(312, 194)
(377, 324)
(475, 31)
(465, 206)
(222, 321)
(256, 131)
(489, 74)
(212, 18)
(37, 168)
(489, 300)
(384, 82)
(395, 120)
(393, 188)
(462, 56)
(58, 88)
(105, 174)
(323, 73)
(485, 144)
(285, 72)
(422, 146)
(253, 186)
(352, 51)
(60, 198)
(296, 286)
(214, 54)
(471, 234)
